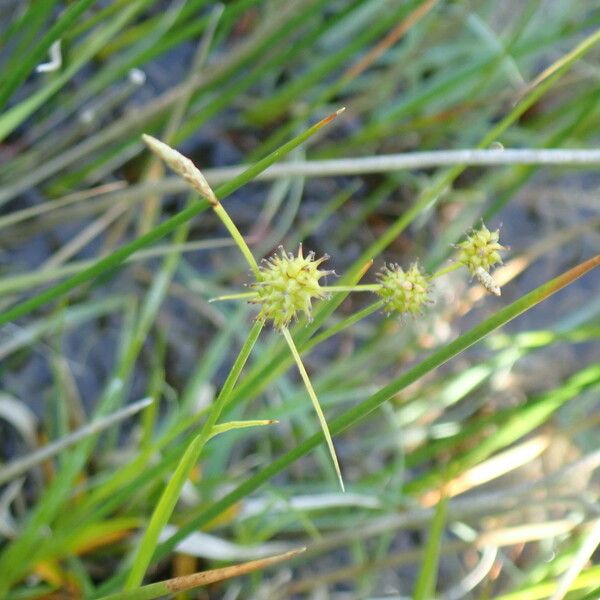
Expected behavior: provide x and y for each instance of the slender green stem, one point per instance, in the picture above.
(426, 582)
(327, 288)
(375, 287)
(360, 411)
(164, 509)
(231, 425)
(237, 236)
(444, 270)
(343, 324)
(315, 401)
(240, 296)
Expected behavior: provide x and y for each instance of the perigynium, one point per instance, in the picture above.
(479, 253)
(405, 292)
(287, 284)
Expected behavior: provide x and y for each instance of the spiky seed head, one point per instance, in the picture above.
(403, 291)
(481, 250)
(287, 284)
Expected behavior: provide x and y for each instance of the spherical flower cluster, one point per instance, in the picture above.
(480, 250)
(286, 285)
(403, 291)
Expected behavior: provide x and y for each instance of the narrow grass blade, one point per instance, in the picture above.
(117, 257)
(426, 582)
(315, 401)
(240, 296)
(542, 591)
(21, 465)
(585, 552)
(164, 509)
(190, 582)
(13, 117)
(231, 425)
(21, 68)
(359, 412)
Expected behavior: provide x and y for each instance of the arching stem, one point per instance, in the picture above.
(315, 401)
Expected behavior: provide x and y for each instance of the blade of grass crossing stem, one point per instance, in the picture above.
(427, 580)
(190, 582)
(360, 411)
(431, 194)
(117, 257)
(535, 413)
(164, 509)
(315, 401)
(232, 425)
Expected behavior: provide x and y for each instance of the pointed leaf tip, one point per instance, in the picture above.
(313, 396)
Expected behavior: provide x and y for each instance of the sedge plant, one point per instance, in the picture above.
(433, 109)
(187, 170)
(285, 286)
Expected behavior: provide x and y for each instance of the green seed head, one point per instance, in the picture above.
(403, 291)
(286, 285)
(481, 249)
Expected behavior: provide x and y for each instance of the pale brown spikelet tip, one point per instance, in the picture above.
(330, 118)
(183, 166)
(365, 268)
(155, 145)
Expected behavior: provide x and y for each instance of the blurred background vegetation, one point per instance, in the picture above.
(508, 430)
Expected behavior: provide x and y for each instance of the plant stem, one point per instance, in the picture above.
(375, 287)
(444, 270)
(238, 238)
(343, 324)
(239, 296)
(315, 401)
(426, 582)
(170, 495)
